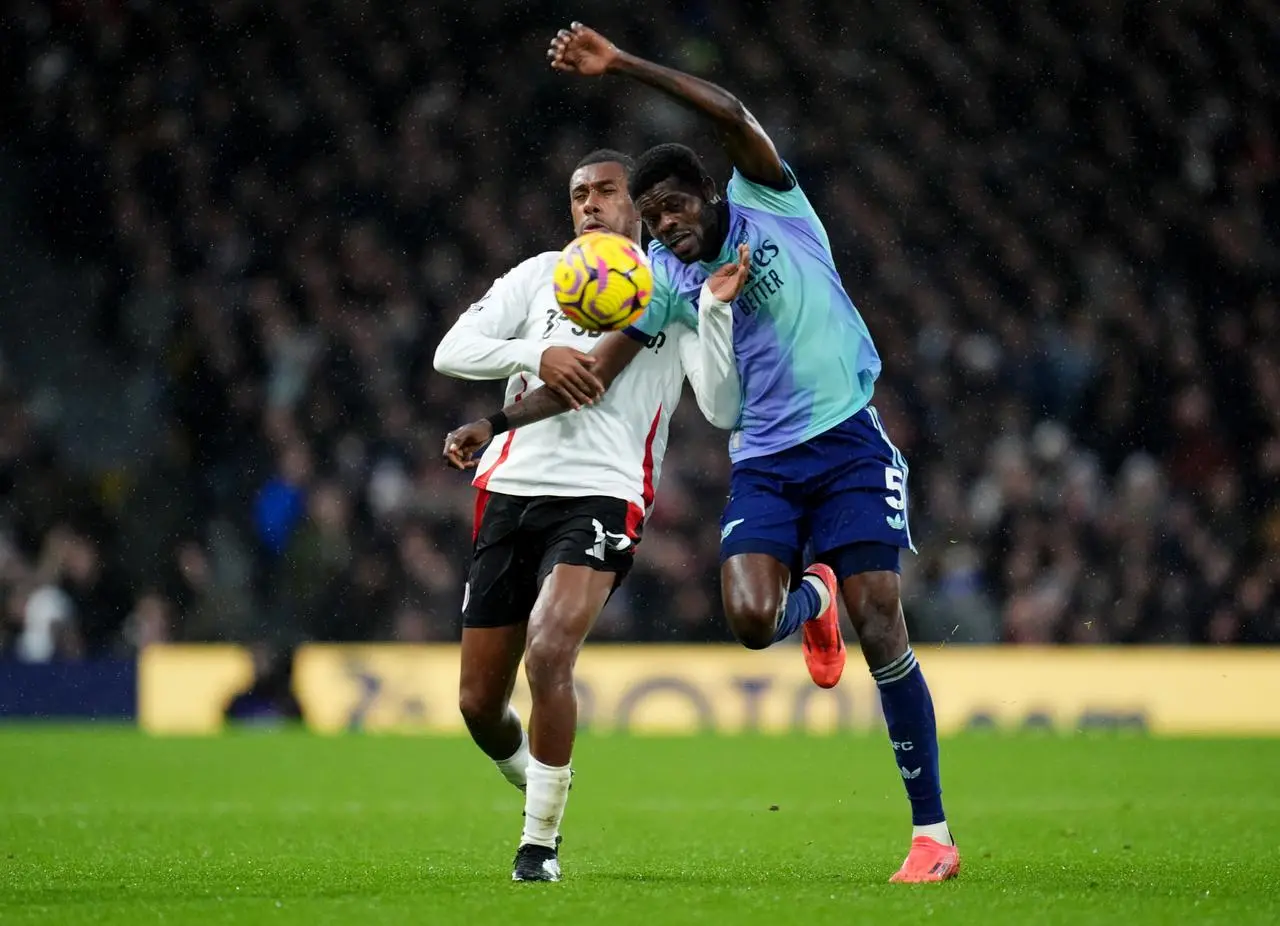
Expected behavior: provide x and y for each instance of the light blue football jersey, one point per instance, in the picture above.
(804, 354)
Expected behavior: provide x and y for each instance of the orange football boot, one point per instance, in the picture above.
(928, 860)
(822, 642)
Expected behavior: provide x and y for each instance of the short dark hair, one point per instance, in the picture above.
(607, 156)
(665, 161)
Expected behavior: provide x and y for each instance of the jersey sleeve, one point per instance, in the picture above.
(659, 313)
(791, 202)
(709, 362)
(485, 343)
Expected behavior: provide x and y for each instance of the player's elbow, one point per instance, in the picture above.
(723, 418)
(448, 359)
(734, 113)
(725, 421)
(721, 406)
(443, 362)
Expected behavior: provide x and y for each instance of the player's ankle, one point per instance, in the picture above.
(545, 798)
(824, 596)
(514, 768)
(939, 832)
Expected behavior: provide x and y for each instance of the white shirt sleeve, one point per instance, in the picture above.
(485, 343)
(709, 363)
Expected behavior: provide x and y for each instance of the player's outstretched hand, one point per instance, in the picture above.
(463, 444)
(579, 50)
(567, 373)
(727, 281)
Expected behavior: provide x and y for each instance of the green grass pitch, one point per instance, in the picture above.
(110, 826)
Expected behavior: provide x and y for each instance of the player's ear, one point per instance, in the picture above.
(709, 191)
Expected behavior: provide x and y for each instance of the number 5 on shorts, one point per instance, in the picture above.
(893, 481)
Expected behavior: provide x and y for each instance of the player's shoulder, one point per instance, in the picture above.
(787, 200)
(531, 270)
(539, 265)
(519, 284)
(666, 266)
(738, 181)
(659, 253)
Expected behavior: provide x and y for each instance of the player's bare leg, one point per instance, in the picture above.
(753, 587)
(761, 611)
(568, 604)
(490, 661)
(571, 599)
(758, 606)
(875, 609)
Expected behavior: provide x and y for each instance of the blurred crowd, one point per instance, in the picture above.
(1061, 221)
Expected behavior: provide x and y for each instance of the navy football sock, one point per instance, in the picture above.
(908, 713)
(802, 605)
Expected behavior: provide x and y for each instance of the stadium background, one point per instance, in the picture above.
(233, 233)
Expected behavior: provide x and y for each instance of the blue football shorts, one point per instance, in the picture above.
(839, 498)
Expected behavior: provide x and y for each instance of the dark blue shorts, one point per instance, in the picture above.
(839, 498)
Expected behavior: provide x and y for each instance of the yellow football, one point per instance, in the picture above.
(603, 281)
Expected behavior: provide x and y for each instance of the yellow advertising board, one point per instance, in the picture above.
(184, 689)
(726, 689)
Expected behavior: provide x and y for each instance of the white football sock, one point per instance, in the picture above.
(514, 767)
(544, 800)
(938, 832)
(824, 596)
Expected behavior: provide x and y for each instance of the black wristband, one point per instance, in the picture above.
(498, 422)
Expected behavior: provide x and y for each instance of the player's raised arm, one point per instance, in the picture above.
(583, 51)
(610, 358)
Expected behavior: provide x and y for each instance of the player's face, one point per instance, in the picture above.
(599, 201)
(676, 215)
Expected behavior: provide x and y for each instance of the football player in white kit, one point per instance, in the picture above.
(561, 503)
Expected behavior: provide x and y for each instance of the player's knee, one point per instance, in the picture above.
(753, 588)
(481, 706)
(753, 618)
(551, 653)
(754, 630)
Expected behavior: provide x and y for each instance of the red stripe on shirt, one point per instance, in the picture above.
(481, 481)
(636, 514)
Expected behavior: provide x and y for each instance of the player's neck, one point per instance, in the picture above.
(719, 232)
